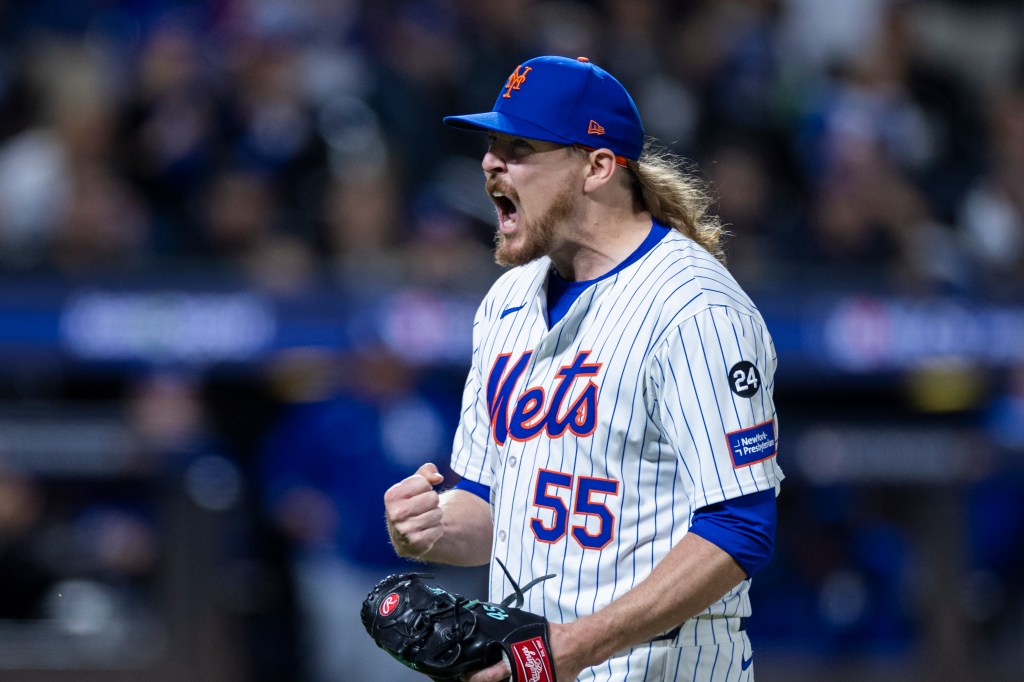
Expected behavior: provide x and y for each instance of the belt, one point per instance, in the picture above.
(674, 632)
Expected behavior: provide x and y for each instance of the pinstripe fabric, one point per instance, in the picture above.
(672, 661)
(600, 509)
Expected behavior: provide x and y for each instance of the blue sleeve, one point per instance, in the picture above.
(744, 527)
(479, 489)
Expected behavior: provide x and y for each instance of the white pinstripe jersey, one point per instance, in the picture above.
(600, 437)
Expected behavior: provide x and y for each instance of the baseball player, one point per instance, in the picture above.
(618, 428)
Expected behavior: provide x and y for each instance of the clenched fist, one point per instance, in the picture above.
(415, 520)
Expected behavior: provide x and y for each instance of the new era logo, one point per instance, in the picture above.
(595, 128)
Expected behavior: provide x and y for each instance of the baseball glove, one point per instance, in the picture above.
(445, 635)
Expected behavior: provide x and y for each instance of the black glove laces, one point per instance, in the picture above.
(517, 597)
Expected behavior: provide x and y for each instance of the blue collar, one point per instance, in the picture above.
(563, 293)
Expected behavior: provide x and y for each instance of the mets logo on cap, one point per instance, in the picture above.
(517, 78)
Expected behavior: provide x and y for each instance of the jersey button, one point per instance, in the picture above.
(501, 536)
(511, 461)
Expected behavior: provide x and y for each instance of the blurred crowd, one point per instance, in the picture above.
(881, 140)
(872, 144)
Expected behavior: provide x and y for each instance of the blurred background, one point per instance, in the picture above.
(240, 256)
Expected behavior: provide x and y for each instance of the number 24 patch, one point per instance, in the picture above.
(744, 379)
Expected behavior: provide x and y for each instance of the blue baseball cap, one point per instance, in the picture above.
(562, 100)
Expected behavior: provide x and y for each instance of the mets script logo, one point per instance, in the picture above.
(390, 603)
(533, 413)
(516, 80)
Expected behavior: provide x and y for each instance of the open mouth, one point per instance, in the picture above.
(508, 214)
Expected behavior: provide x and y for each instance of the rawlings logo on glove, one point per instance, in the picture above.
(445, 636)
(533, 663)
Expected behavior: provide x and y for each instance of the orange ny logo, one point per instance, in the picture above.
(515, 80)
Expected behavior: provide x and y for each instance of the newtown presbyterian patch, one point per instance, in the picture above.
(751, 445)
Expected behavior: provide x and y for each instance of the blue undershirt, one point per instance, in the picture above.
(563, 293)
(743, 527)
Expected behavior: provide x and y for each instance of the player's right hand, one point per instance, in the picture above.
(415, 520)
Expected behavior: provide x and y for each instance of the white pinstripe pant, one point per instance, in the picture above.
(730, 659)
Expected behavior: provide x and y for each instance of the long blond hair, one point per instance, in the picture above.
(665, 186)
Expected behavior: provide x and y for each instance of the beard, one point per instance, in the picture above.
(535, 238)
